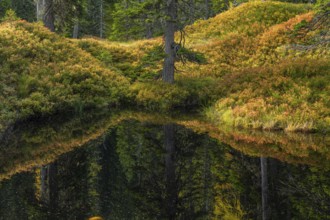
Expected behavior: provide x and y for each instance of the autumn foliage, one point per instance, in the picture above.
(42, 73)
(265, 66)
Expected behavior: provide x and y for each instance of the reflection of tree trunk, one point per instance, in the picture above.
(171, 186)
(264, 188)
(206, 179)
(53, 189)
(288, 205)
(44, 185)
(49, 190)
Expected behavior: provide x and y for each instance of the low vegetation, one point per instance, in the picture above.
(42, 73)
(261, 65)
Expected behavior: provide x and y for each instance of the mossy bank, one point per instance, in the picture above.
(263, 65)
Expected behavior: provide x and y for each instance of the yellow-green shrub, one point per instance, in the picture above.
(139, 60)
(247, 19)
(41, 72)
(266, 65)
(277, 97)
(159, 95)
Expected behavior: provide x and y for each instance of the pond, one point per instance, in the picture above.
(141, 166)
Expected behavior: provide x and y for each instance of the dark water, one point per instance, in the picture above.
(148, 170)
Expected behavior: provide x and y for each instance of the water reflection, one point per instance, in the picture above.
(142, 170)
(264, 188)
(172, 184)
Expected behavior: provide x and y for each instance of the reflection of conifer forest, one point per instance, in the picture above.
(141, 170)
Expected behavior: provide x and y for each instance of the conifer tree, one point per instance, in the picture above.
(4, 6)
(97, 17)
(48, 15)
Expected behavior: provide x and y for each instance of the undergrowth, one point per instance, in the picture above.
(42, 73)
(262, 65)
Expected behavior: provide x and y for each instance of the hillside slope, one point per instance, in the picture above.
(276, 77)
(263, 65)
(41, 73)
(267, 66)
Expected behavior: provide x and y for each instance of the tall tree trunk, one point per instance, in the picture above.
(264, 188)
(191, 12)
(49, 17)
(127, 25)
(207, 9)
(171, 184)
(149, 31)
(101, 19)
(75, 33)
(40, 4)
(171, 14)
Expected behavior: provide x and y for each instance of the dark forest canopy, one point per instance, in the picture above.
(120, 19)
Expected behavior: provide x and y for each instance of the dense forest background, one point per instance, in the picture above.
(119, 20)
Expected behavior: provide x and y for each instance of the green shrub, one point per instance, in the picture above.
(10, 15)
(41, 73)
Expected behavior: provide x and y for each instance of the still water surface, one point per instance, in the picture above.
(137, 166)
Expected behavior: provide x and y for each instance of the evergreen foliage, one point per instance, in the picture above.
(24, 9)
(10, 16)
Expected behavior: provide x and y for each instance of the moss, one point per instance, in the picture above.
(262, 65)
(42, 73)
